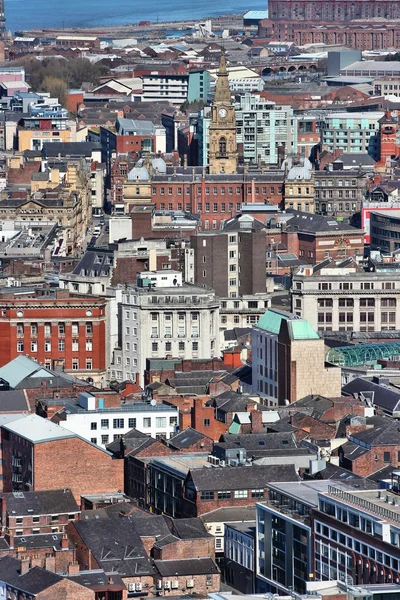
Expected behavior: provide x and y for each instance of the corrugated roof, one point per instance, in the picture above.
(21, 367)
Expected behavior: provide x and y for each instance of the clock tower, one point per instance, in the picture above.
(222, 155)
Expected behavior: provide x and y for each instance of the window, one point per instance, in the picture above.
(240, 493)
(93, 440)
(195, 346)
(47, 330)
(75, 345)
(89, 364)
(225, 495)
(89, 328)
(222, 146)
(206, 495)
(118, 423)
(47, 346)
(61, 329)
(154, 347)
(386, 457)
(173, 420)
(104, 439)
(161, 421)
(104, 423)
(34, 346)
(147, 422)
(89, 345)
(257, 493)
(132, 423)
(206, 422)
(20, 346)
(181, 346)
(34, 329)
(75, 329)
(61, 345)
(93, 426)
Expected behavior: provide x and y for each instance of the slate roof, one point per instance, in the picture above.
(40, 503)
(335, 473)
(187, 567)
(239, 478)
(96, 262)
(259, 444)
(33, 582)
(353, 451)
(388, 435)
(230, 401)
(313, 223)
(13, 401)
(384, 397)
(73, 149)
(186, 438)
(115, 546)
(40, 540)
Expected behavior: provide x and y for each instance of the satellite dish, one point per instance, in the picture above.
(153, 402)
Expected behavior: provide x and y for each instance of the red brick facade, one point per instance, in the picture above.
(60, 331)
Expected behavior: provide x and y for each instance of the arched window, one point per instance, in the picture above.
(222, 146)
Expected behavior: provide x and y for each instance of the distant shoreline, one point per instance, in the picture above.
(223, 21)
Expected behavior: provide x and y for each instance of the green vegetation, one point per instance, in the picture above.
(57, 75)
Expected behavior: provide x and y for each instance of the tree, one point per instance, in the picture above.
(56, 87)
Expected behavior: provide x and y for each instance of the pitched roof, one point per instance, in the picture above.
(37, 429)
(13, 401)
(33, 582)
(382, 396)
(298, 329)
(230, 514)
(186, 438)
(40, 503)
(115, 545)
(238, 478)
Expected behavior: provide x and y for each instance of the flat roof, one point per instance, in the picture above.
(37, 429)
(306, 491)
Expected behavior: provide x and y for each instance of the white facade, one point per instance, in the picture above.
(342, 299)
(102, 426)
(168, 88)
(263, 126)
(179, 321)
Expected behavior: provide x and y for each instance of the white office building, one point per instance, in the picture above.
(161, 317)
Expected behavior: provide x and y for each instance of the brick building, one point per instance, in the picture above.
(27, 443)
(58, 330)
(182, 550)
(19, 581)
(34, 513)
(371, 448)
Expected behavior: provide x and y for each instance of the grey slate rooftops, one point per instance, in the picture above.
(115, 546)
(40, 540)
(185, 438)
(34, 581)
(13, 401)
(40, 503)
(72, 149)
(384, 397)
(187, 567)
(240, 478)
(261, 441)
(312, 223)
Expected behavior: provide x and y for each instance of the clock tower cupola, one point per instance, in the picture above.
(222, 132)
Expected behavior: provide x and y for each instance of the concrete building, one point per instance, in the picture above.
(163, 87)
(102, 426)
(385, 230)
(284, 551)
(344, 297)
(339, 192)
(288, 360)
(264, 129)
(356, 536)
(239, 556)
(351, 132)
(199, 86)
(162, 317)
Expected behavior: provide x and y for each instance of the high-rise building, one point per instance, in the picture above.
(265, 131)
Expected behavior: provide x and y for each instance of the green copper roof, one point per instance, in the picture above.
(302, 330)
(271, 320)
(299, 329)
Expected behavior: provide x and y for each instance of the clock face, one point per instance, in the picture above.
(222, 113)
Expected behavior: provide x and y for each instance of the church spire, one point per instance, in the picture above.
(222, 90)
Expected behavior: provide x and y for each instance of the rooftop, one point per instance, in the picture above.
(37, 430)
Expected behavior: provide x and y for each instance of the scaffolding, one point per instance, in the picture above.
(362, 354)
